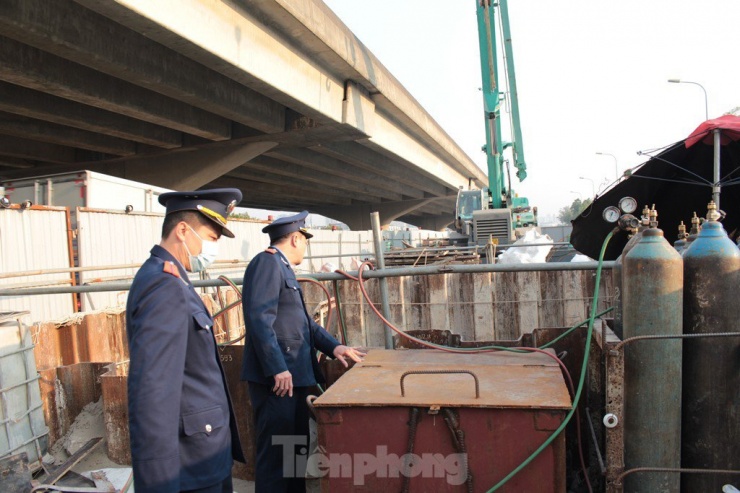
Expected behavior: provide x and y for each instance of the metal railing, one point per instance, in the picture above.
(332, 276)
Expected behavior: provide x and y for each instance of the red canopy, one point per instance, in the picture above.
(729, 124)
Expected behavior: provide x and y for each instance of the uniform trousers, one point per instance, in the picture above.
(225, 486)
(281, 425)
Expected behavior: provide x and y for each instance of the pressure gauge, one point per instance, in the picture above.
(611, 214)
(628, 205)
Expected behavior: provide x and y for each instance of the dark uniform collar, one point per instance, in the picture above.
(282, 256)
(162, 253)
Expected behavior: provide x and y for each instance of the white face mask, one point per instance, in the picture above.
(207, 255)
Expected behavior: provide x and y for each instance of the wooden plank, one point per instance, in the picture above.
(606, 291)
(351, 299)
(483, 307)
(551, 295)
(506, 319)
(395, 300)
(72, 461)
(436, 286)
(574, 309)
(374, 327)
(417, 303)
(529, 293)
(460, 299)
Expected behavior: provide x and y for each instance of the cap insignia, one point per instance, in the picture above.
(215, 215)
(230, 207)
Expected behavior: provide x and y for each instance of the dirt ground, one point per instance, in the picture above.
(89, 424)
(98, 460)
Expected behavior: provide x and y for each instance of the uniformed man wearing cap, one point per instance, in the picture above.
(181, 422)
(279, 356)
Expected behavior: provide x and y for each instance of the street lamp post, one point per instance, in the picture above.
(706, 103)
(593, 185)
(616, 170)
(580, 195)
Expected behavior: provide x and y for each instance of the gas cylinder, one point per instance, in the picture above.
(617, 270)
(652, 281)
(680, 243)
(711, 382)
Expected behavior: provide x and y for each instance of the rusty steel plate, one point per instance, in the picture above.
(506, 380)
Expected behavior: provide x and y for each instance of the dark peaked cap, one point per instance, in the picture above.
(285, 225)
(215, 204)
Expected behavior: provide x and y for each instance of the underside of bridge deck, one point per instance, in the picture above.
(275, 97)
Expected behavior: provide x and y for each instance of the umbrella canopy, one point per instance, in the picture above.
(679, 181)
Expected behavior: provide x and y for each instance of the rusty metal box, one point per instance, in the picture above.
(410, 420)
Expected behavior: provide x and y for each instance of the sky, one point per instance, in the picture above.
(591, 76)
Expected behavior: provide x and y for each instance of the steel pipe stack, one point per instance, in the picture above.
(711, 378)
(653, 305)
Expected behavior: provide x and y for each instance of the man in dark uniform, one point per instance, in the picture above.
(182, 425)
(279, 356)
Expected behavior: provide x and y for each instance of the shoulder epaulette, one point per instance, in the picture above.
(271, 251)
(171, 268)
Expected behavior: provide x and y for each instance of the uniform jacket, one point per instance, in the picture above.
(280, 334)
(182, 426)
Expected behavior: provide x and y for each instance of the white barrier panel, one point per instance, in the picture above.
(112, 237)
(107, 238)
(35, 240)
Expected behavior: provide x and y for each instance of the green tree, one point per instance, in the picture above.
(241, 215)
(572, 211)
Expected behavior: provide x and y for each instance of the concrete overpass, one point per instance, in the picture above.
(275, 97)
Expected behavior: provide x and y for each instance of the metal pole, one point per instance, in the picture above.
(380, 260)
(706, 99)
(715, 185)
(426, 270)
(593, 186)
(616, 170)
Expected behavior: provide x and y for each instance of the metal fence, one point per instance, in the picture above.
(35, 250)
(38, 248)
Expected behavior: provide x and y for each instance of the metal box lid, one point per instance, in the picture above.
(505, 380)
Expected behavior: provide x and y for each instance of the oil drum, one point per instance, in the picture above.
(711, 377)
(652, 292)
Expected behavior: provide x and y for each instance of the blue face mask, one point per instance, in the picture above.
(207, 255)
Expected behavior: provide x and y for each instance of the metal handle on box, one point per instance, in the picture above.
(309, 402)
(440, 372)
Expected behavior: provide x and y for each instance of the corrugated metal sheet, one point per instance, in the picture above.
(248, 241)
(108, 237)
(326, 242)
(113, 238)
(35, 239)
